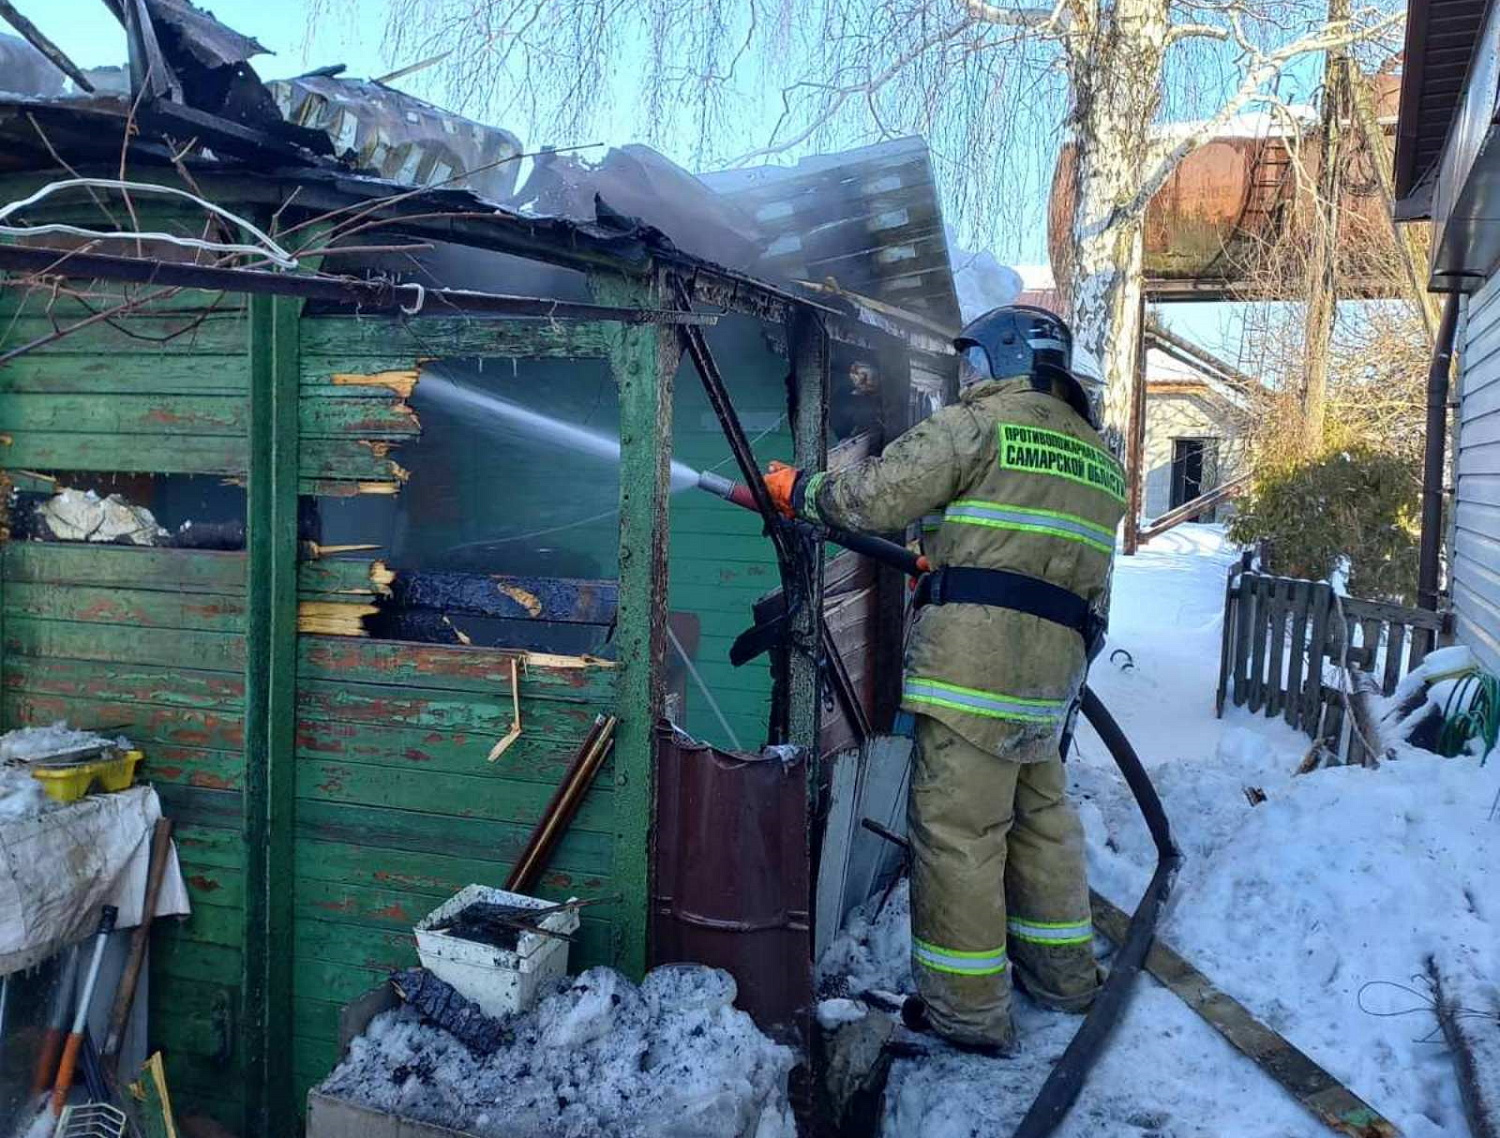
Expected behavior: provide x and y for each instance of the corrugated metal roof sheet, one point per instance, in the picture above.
(1440, 39)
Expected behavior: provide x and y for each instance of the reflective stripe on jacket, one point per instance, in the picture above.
(1021, 483)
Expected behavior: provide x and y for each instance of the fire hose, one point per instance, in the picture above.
(1067, 1077)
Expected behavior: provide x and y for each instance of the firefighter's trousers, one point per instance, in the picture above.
(997, 885)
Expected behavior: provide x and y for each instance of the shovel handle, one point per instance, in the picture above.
(65, 1071)
(46, 1061)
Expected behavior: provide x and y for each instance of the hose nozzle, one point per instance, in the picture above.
(721, 487)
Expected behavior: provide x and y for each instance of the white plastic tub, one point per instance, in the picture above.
(501, 981)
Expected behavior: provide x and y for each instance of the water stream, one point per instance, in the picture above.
(509, 416)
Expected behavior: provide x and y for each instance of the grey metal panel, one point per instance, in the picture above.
(1476, 523)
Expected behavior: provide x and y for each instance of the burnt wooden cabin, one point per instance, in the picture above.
(317, 646)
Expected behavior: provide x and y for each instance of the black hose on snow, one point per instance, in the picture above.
(1061, 1089)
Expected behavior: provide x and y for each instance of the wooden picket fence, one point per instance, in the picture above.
(1284, 639)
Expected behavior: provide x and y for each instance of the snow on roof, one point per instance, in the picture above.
(1279, 123)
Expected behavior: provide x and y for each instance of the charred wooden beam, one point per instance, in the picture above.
(368, 296)
(513, 598)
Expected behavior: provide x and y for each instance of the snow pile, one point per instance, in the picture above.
(600, 1058)
(26, 744)
(1304, 907)
(1445, 686)
(873, 950)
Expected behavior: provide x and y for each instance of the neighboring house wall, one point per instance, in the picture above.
(1475, 569)
(1189, 412)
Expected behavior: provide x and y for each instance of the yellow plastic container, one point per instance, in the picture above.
(68, 782)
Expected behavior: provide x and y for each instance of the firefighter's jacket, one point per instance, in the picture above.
(1020, 482)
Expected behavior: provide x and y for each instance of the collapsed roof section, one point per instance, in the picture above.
(400, 137)
(867, 219)
(857, 235)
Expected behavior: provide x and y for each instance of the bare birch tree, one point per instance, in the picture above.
(988, 84)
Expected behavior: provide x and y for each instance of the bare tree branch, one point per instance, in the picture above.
(1179, 32)
(841, 95)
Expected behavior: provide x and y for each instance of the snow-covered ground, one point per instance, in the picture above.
(598, 1058)
(1306, 908)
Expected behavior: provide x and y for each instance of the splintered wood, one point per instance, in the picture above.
(333, 618)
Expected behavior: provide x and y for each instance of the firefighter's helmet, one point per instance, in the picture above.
(1023, 340)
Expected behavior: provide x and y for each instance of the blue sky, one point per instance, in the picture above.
(86, 31)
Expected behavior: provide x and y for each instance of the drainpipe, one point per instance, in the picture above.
(1432, 462)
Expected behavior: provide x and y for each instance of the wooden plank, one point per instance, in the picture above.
(1227, 641)
(1275, 663)
(480, 795)
(1258, 634)
(144, 723)
(342, 337)
(438, 876)
(338, 942)
(194, 766)
(169, 648)
(1244, 618)
(444, 667)
(165, 570)
(42, 301)
(218, 809)
(269, 800)
(1328, 1100)
(209, 845)
(352, 459)
(139, 608)
(643, 361)
(195, 960)
(126, 683)
(486, 715)
(1395, 658)
(182, 334)
(1301, 597)
(532, 758)
(1370, 630)
(69, 450)
(1320, 603)
(385, 828)
(810, 351)
(208, 924)
(215, 887)
(362, 577)
(107, 373)
(164, 416)
(372, 418)
(1379, 610)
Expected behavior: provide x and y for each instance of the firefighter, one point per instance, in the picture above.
(1006, 622)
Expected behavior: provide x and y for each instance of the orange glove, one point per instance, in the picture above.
(781, 481)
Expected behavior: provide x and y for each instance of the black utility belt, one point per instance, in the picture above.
(961, 585)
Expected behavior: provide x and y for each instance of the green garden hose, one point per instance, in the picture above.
(1471, 711)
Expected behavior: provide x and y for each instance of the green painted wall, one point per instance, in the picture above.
(395, 805)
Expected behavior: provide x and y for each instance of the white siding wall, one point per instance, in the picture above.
(1476, 522)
